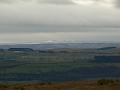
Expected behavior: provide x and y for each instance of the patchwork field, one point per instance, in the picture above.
(58, 65)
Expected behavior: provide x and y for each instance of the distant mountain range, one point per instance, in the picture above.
(60, 45)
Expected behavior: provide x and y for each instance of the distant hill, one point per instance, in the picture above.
(20, 49)
(106, 48)
(60, 45)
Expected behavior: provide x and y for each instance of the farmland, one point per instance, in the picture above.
(57, 65)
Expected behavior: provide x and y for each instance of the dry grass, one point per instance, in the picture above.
(71, 85)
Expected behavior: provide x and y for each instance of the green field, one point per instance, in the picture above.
(13, 64)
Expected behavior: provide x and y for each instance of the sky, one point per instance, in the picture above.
(42, 21)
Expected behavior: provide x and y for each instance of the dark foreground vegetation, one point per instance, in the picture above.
(103, 84)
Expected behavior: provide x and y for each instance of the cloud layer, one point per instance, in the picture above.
(29, 13)
(39, 1)
(117, 3)
(46, 20)
(84, 2)
(56, 1)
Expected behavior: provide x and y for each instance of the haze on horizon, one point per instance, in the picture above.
(34, 21)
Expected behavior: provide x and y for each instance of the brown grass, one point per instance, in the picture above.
(71, 85)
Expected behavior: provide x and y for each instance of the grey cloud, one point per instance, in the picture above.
(6, 1)
(52, 1)
(56, 1)
(13, 1)
(117, 3)
(39, 1)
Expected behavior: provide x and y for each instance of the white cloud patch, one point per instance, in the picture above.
(94, 2)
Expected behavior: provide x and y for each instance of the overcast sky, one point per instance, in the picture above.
(36, 21)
